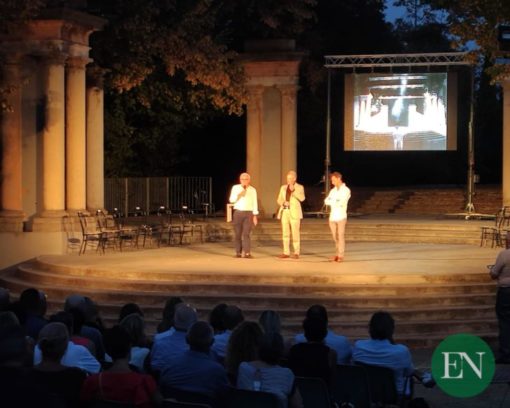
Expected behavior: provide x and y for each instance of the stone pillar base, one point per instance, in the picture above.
(10, 222)
(49, 221)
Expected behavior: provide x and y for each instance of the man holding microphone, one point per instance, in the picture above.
(244, 198)
(289, 199)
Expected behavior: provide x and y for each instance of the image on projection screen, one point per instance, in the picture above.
(400, 111)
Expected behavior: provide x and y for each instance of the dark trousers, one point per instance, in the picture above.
(243, 222)
(503, 313)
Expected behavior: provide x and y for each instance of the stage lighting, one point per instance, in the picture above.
(504, 37)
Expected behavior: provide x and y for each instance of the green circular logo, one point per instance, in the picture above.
(463, 365)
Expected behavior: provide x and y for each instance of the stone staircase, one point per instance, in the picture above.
(427, 310)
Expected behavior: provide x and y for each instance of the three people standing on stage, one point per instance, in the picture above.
(244, 198)
(289, 199)
(337, 200)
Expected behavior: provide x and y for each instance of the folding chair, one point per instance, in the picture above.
(314, 392)
(382, 384)
(492, 233)
(91, 233)
(351, 386)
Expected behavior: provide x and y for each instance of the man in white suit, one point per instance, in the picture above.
(290, 213)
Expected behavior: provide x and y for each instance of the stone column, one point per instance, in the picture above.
(75, 134)
(506, 142)
(289, 131)
(254, 132)
(95, 141)
(54, 139)
(11, 177)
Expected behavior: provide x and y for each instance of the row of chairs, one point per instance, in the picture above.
(102, 231)
(497, 235)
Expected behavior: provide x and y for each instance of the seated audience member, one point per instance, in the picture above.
(232, 316)
(75, 354)
(166, 326)
(16, 388)
(270, 322)
(92, 324)
(313, 358)
(380, 350)
(8, 319)
(216, 318)
(339, 343)
(119, 383)
(50, 374)
(264, 374)
(243, 345)
(196, 370)
(77, 322)
(33, 307)
(135, 327)
(165, 351)
(129, 308)
(5, 299)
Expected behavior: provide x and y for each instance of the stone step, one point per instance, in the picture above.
(214, 286)
(269, 300)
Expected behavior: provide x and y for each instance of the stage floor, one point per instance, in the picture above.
(390, 263)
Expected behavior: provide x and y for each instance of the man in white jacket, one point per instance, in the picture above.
(337, 200)
(289, 199)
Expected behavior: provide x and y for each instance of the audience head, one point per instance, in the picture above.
(13, 346)
(232, 316)
(185, 316)
(270, 321)
(5, 299)
(8, 319)
(63, 317)
(53, 341)
(74, 301)
(315, 329)
(271, 348)
(216, 318)
(135, 326)
(128, 309)
(200, 337)
(381, 326)
(117, 342)
(169, 309)
(33, 302)
(318, 311)
(243, 345)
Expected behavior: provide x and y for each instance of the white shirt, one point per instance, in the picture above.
(246, 203)
(337, 199)
(75, 356)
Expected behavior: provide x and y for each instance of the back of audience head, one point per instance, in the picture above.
(78, 320)
(13, 346)
(8, 319)
(232, 316)
(200, 337)
(315, 329)
(318, 311)
(33, 301)
(74, 301)
(53, 341)
(270, 321)
(271, 348)
(185, 316)
(63, 317)
(169, 310)
(216, 318)
(128, 309)
(135, 327)
(381, 326)
(117, 342)
(5, 299)
(243, 345)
